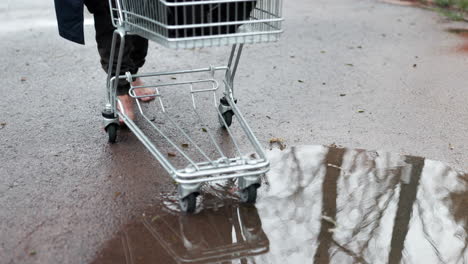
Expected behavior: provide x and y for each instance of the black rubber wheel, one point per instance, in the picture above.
(112, 132)
(227, 118)
(249, 194)
(189, 203)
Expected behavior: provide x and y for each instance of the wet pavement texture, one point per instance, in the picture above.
(362, 74)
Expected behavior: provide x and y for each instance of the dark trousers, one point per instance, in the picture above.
(135, 48)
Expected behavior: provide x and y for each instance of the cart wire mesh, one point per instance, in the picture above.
(227, 165)
(200, 23)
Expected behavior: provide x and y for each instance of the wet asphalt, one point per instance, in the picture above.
(359, 74)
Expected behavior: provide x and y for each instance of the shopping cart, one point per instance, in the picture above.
(185, 24)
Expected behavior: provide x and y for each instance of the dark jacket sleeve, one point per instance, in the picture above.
(70, 19)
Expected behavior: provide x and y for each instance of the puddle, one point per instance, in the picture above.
(319, 205)
(223, 232)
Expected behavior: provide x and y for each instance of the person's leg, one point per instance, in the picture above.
(138, 56)
(139, 52)
(104, 33)
(133, 58)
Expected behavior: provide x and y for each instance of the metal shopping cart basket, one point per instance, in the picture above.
(186, 24)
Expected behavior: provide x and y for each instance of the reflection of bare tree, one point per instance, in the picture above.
(299, 173)
(296, 184)
(408, 191)
(329, 195)
(367, 189)
(300, 182)
(427, 236)
(373, 218)
(384, 184)
(375, 207)
(293, 199)
(440, 214)
(426, 222)
(460, 213)
(460, 202)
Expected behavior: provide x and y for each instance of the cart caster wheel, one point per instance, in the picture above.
(112, 132)
(249, 194)
(189, 203)
(227, 116)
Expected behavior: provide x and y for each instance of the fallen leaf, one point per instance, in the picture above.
(32, 253)
(278, 141)
(359, 47)
(253, 156)
(415, 65)
(23, 79)
(171, 154)
(301, 81)
(185, 145)
(268, 117)
(2, 125)
(342, 94)
(349, 64)
(204, 129)
(323, 52)
(173, 78)
(117, 194)
(360, 111)
(156, 217)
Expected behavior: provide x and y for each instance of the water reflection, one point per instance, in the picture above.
(318, 205)
(356, 206)
(219, 234)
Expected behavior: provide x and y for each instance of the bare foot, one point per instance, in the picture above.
(125, 105)
(143, 91)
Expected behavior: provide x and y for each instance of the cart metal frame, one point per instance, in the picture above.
(246, 168)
